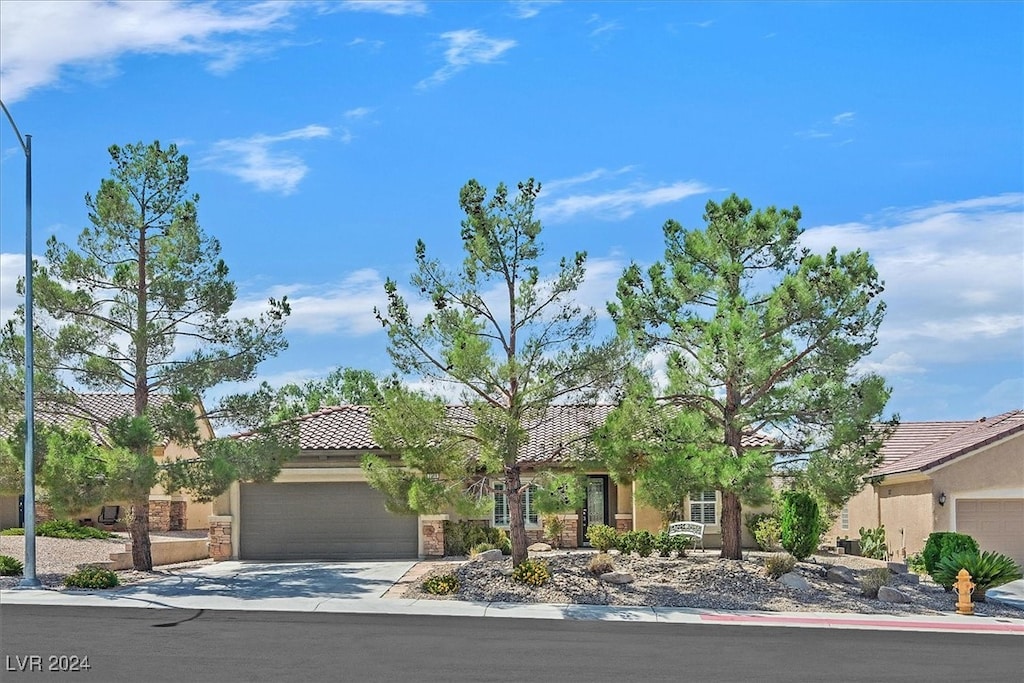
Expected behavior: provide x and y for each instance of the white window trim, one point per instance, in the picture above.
(714, 504)
(844, 518)
(499, 488)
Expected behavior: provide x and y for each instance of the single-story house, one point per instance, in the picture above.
(168, 512)
(964, 476)
(321, 507)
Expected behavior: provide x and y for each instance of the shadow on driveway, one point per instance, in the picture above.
(262, 580)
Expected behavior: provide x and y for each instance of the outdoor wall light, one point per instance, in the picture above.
(942, 498)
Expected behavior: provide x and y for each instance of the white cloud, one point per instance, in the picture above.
(528, 9)
(601, 26)
(256, 159)
(358, 113)
(39, 41)
(344, 307)
(843, 119)
(12, 267)
(610, 204)
(393, 7)
(952, 271)
(372, 45)
(465, 48)
(823, 130)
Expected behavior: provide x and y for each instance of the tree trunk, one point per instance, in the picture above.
(732, 529)
(142, 556)
(516, 521)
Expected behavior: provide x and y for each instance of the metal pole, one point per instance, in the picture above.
(29, 579)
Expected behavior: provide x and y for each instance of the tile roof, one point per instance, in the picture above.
(920, 446)
(95, 409)
(348, 428)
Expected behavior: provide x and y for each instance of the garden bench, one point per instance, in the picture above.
(692, 530)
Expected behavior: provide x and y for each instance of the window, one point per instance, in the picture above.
(703, 507)
(844, 517)
(501, 513)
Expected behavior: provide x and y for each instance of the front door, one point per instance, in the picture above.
(595, 509)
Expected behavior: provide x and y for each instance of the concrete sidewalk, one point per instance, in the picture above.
(374, 588)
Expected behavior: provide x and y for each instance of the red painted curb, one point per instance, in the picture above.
(873, 623)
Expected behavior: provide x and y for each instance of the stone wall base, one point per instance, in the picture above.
(220, 538)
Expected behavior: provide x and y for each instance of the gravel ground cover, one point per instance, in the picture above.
(58, 557)
(699, 580)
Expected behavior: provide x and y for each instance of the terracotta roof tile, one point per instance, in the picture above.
(95, 409)
(920, 446)
(346, 428)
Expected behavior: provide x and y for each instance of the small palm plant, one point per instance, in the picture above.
(987, 570)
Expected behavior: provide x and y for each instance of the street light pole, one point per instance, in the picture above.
(29, 579)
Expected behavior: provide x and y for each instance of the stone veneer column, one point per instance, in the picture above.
(44, 513)
(569, 537)
(432, 533)
(177, 518)
(220, 538)
(623, 522)
(159, 515)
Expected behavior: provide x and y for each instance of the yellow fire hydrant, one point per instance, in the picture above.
(964, 587)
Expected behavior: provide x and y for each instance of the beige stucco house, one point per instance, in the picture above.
(168, 512)
(320, 506)
(965, 476)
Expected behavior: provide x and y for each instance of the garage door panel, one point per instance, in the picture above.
(996, 524)
(321, 521)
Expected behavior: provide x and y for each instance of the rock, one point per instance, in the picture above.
(840, 575)
(617, 577)
(890, 594)
(794, 581)
(493, 555)
(909, 578)
(540, 548)
(897, 567)
(614, 552)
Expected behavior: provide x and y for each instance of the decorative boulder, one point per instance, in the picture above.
(794, 581)
(890, 594)
(897, 567)
(840, 575)
(617, 577)
(493, 555)
(540, 548)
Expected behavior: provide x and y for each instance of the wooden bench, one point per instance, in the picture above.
(692, 530)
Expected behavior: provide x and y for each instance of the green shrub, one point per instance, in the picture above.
(872, 543)
(987, 570)
(778, 564)
(640, 542)
(460, 537)
(943, 543)
(91, 577)
(768, 533)
(665, 544)
(602, 563)
(873, 579)
(554, 526)
(66, 528)
(915, 563)
(532, 572)
(13, 531)
(10, 566)
(481, 548)
(602, 537)
(801, 524)
(441, 584)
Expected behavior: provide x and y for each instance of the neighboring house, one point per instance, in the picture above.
(965, 476)
(320, 506)
(167, 511)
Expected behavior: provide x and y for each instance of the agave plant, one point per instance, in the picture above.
(987, 570)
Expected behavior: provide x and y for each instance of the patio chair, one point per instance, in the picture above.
(109, 515)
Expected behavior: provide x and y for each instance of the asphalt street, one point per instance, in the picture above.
(121, 644)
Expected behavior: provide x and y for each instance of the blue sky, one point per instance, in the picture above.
(326, 138)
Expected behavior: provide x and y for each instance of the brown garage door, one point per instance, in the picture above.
(321, 521)
(995, 524)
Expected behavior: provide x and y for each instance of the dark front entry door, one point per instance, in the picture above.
(595, 509)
